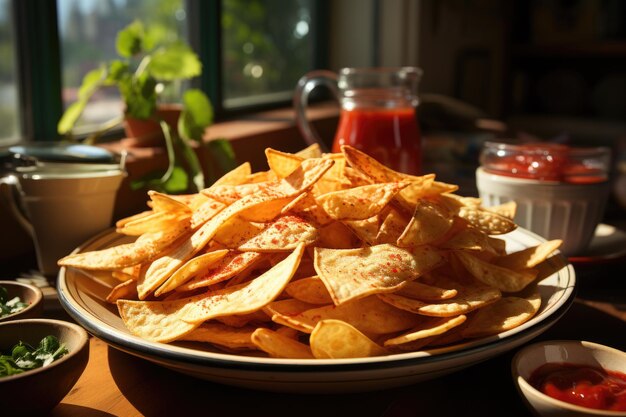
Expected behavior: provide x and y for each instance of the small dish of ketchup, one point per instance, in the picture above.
(571, 378)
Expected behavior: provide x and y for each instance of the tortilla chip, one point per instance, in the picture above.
(310, 290)
(336, 339)
(504, 279)
(222, 335)
(168, 321)
(529, 257)
(357, 273)
(361, 202)
(430, 221)
(231, 265)
(505, 314)
(193, 267)
(431, 327)
(278, 345)
(369, 315)
(468, 298)
(284, 234)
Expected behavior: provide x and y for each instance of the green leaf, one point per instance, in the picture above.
(174, 179)
(4, 295)
(223, 153)
(71, 114)
(130, 40)
(20, 350)
(156, 34)
(91, 82)
(195, 168)
(8, 367)
(142, 183)
(48, 344)
(140, 96)
(59, 352)
(117, 72)
(177, 182)
(197, 115)
(175, 62)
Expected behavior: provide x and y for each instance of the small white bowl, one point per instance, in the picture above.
(533, 356)
(553, 210)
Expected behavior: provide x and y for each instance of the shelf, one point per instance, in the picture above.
(609, 49)
(582, 129)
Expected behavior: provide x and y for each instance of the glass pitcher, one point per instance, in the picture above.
(377, 113)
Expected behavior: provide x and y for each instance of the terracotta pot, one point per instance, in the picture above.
(147, 132)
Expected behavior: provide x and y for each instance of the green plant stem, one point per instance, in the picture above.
(106, 126)
(169, 145)
(143, 65)
(194, 164)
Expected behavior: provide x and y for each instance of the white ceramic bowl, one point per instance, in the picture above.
(553, 210)
(533, 356)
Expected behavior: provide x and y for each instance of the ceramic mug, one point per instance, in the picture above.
(61, 205)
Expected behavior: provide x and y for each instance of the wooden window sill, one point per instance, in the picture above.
(249, 135)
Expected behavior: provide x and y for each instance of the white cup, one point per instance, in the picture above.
(560, 190)
(553, 210)
(64, 204)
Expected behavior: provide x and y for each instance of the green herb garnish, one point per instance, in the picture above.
(24, 357)
(10, 306)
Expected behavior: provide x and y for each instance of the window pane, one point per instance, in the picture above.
(9, 110)
(88, 29)
(267, 46)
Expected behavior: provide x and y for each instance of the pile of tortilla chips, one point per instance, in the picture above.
(322, 256)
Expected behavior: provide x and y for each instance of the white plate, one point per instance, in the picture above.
(607, 245)
(83, 298)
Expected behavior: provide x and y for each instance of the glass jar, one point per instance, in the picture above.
(377, 113)
(560, 191)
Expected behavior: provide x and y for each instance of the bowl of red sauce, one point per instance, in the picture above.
(571, 378)
(560, 191)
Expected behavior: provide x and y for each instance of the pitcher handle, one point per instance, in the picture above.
(305, 85)
(9, 186)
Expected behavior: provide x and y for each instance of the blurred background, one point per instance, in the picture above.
(552, 69)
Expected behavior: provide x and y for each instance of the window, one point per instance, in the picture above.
(87, 33)
(267, 46)
(9, 113)
(253, 52)
(260, 47)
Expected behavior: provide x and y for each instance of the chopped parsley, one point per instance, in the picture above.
(24, 357)
(10, 306)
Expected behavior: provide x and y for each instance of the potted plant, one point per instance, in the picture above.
(147, 66)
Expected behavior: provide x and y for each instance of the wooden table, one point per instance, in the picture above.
(119, 384)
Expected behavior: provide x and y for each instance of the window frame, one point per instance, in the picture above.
(38, 66)
(38, 62)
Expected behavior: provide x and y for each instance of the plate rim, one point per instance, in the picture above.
(600, 259)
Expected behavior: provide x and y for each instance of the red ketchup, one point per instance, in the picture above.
(582, 385)
(391, 136)
(546, 162)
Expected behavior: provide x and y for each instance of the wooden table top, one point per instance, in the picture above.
(118, 384)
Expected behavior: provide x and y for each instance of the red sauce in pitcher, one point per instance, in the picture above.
(391, 136)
